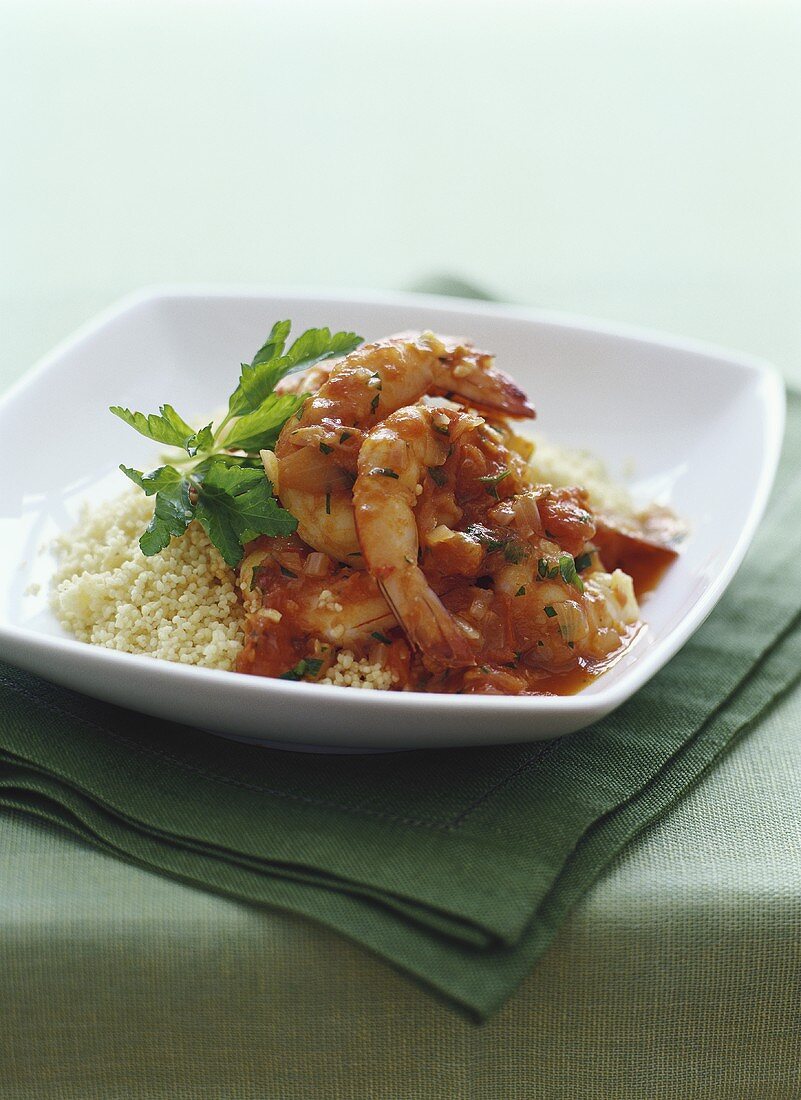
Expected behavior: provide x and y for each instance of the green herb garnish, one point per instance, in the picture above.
(583, 561)
(229, 494)
(567, 568)
(515, 552)
(384, 471)
(491, 481)
(306, 667)
(485, 537)
(326, 450)
(379, 637)
(549, 611)
(521, 590)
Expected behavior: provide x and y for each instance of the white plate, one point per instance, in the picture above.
(701, 428)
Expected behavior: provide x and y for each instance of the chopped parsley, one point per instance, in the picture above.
(379, 637)
(549, 611)
(494, 479)
(491, 481)
(325, 448)
(546, 571)
(583, 561)
(307, 667)
(521, 590)
(385, 471)
(287, 572)
(484, 537)
(567, 568)
(515, 552)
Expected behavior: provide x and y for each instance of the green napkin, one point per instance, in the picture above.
(456, 866)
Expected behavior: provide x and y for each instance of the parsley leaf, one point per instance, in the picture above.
(234, 505)
(259, 429)
(200, 441)
(275, 343)
(166, 427)
(317, 344)
(259, 378)
(173, 512)
(229, 494)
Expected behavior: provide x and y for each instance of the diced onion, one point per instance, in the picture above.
(527, 516)
(441, 533)
(571, 620)
(466, 628)
(317, 565)
(493, 632)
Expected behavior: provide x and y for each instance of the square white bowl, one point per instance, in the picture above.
(700, 427)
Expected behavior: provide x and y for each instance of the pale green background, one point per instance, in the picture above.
(638, 161)
(634, 160)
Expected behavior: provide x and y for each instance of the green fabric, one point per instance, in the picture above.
(456, 866)
(676, 975)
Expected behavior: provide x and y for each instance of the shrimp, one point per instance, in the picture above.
(392, 462)
(317, 451)
(301, 605)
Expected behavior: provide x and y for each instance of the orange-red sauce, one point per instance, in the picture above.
(646, 567)
(270, 647)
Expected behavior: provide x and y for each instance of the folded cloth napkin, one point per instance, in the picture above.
(456, 866)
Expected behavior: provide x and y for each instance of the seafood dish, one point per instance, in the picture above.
(377, 519)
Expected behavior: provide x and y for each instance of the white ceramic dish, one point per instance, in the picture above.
(701, 428)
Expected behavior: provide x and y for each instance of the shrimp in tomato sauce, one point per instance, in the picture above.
(425, 548)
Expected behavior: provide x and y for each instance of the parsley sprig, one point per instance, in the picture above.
(218, 479)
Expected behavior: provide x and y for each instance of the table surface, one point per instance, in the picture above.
(641, 163)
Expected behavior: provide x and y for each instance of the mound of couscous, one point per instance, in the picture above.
(180, 605)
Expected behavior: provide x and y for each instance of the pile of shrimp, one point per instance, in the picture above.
(424, 551)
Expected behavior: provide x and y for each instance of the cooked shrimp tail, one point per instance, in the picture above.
(427, 624)
(493, 390)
